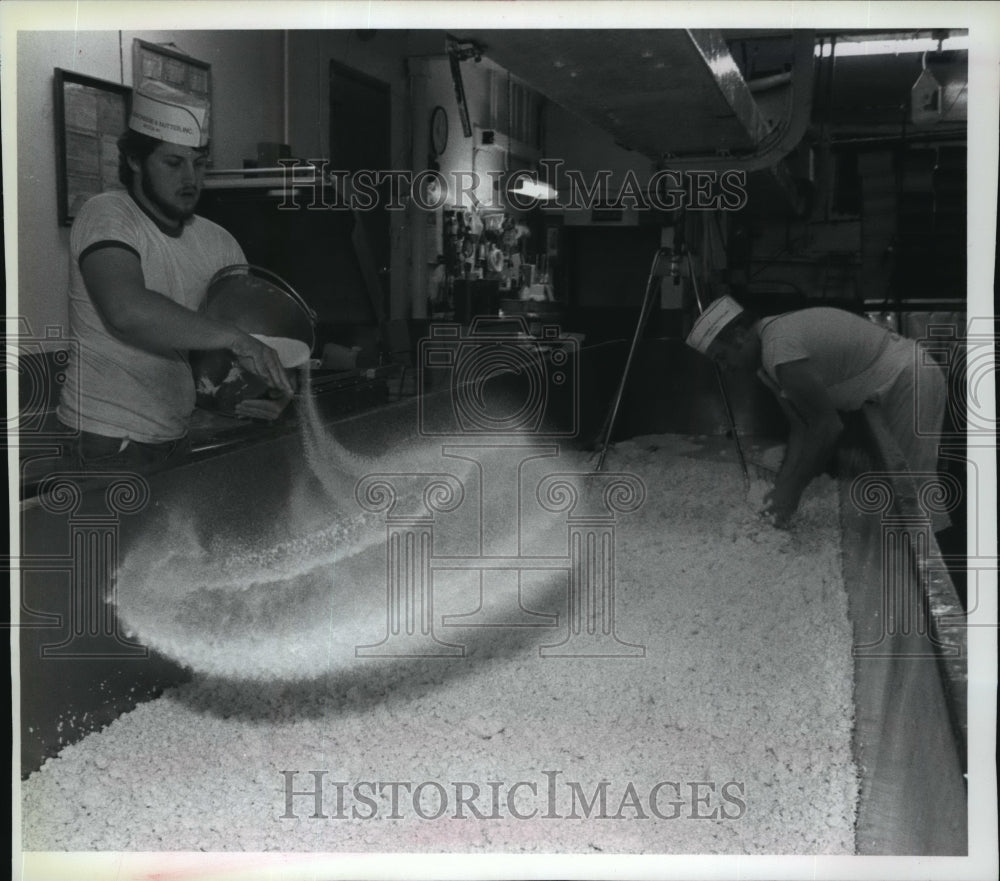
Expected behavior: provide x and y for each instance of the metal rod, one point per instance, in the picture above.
(306, 172)
(722, 386)
(645, 312)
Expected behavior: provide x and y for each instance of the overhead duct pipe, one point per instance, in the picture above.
(771, 145)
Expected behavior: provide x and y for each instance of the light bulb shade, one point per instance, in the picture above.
(533, 189)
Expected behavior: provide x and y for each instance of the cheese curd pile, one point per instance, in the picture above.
(721, 725)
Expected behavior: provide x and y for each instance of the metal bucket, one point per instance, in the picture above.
(256, 301)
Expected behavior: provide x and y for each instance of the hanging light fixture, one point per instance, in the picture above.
(883, 45)
(534, 189)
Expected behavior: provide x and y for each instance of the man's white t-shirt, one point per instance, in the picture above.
(113, 388)
(859, 362)
(855, 359)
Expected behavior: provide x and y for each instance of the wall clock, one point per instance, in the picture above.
(439, 130)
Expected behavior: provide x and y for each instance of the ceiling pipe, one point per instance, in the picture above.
(772, 145)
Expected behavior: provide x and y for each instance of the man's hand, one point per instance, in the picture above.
(266, 409)
(815, 426)
(261, 360)
(779, 506)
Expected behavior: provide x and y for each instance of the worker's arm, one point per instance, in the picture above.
(151, 321)
(815, 428)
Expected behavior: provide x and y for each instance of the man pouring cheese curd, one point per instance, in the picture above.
(140, 264)
(820, 362)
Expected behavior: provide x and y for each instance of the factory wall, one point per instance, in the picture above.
(380, 55)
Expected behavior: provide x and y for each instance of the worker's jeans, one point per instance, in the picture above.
(95, 452)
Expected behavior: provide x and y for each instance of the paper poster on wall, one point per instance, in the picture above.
(90, 114)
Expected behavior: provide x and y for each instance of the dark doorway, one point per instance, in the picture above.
(360, 128)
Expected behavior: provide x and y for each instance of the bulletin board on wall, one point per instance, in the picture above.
(90, 115)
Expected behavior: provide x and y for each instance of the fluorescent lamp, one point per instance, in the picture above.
(906, 45)
(534, 189)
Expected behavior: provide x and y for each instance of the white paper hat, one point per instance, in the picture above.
(169, 114)
(719, 315)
